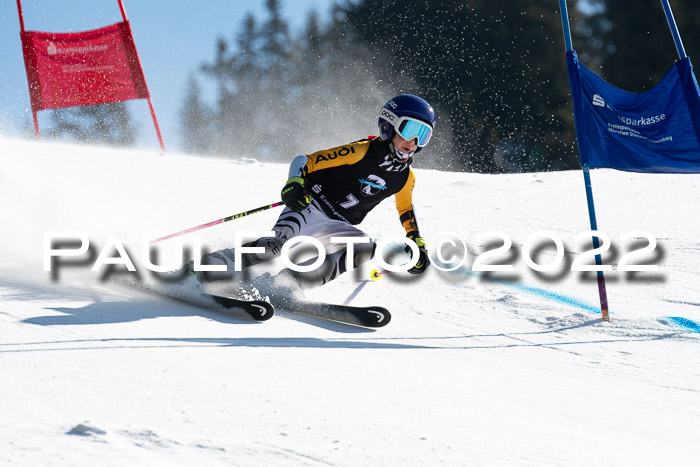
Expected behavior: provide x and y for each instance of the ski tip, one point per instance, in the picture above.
(258, 310)
(261, 311)
(382, 316)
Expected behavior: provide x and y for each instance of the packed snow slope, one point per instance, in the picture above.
(503, 369)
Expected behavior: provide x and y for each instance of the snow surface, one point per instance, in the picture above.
(512, 369)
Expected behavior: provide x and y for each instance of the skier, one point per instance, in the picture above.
(329, 192)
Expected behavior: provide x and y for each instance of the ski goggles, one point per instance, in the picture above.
(408, 127)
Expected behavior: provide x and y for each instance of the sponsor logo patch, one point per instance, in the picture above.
(372, 185)
(342, 152)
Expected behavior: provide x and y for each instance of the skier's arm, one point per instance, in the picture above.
(334, 157)
(404, 204)
(296, 168)
(295, 193)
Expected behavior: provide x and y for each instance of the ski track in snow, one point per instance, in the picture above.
(474, 369)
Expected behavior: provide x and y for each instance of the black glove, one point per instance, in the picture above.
(423, 260)
(295, 195)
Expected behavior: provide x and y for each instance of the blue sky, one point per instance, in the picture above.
(173, 38)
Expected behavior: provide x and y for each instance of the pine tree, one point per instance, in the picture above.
(196, 120)
(631, 44)
(236, 72)
(276, 100)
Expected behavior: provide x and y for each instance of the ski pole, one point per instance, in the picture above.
(377, 274)
(219, 221)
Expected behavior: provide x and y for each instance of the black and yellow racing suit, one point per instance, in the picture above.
(348, 181)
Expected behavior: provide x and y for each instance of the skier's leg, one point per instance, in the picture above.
(333, 266)
(288, 225)
(311, 222)
(336, 261)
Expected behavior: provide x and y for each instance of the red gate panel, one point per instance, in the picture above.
(82, 68)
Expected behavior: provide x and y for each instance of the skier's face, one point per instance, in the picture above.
(404, 145)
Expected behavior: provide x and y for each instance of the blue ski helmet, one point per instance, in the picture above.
(410, 106)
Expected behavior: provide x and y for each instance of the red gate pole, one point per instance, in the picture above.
(121, 8)
(21, 28)
(21, 15)
(150, 103)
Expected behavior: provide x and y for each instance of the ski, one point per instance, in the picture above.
(370, 316)
(259, 310)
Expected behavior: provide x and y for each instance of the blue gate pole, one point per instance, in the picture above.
(674, 29)
(564, 11)
(602, 292)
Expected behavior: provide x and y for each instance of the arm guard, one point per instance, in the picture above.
(296, 168)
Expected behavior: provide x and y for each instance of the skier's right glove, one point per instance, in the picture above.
(295, 195)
